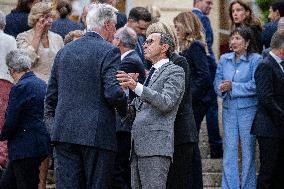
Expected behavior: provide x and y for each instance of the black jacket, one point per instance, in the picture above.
(269, 119)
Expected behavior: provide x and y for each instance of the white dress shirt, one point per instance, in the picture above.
(125, 54)
(139, 88)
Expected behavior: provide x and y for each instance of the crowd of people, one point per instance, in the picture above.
(116, 101)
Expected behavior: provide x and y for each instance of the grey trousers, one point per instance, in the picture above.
(149, 172)
(83, 167)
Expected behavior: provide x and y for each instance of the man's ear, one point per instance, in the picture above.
(107, 25)
(165, 48)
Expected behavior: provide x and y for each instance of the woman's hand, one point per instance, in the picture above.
(41, 31)
(226, 85)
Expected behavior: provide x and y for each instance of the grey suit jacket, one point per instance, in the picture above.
(156, 109)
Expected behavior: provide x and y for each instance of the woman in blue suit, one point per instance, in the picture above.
(235, 84)
(28, 139)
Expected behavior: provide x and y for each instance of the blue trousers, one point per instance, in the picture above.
(237, 125)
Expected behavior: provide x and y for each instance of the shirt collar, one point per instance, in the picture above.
(160, 63)
(194, 8)
(277, 58)
(125, 54)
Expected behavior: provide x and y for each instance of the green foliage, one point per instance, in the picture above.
(264, 7)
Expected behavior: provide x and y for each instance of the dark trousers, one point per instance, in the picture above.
(83, 167)
(122, 172)
(21, 174)
(271, 173)
(180, 175)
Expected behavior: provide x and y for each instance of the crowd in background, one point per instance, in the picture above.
(116, 101)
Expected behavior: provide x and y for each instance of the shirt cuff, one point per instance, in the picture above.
(126, 91)
(138, 89)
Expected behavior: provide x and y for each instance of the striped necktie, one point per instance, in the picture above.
(152, 70)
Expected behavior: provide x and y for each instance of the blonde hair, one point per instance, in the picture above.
(155, 13)
(73, 34)
(192, 29)
(159, 27)
(37, 11)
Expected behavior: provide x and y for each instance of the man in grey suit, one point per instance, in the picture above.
(156, 109)
(81, 98)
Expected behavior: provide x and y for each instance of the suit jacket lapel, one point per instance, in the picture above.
(158, 73)
(276, 66)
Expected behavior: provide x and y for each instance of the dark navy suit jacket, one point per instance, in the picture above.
(268, 30)
(121, 20)
(269, 119)
(16, 22)
(131, 63)
(198, 63)
(83, 93)
(24, 128)
(63, 26)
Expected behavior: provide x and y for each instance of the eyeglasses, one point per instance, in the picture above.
(148, 42)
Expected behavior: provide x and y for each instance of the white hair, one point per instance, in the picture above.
(18, 60)
(99, 14)
(2, 20)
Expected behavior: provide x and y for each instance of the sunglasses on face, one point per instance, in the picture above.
(148, 42)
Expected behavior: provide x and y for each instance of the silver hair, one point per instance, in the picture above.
(277, 40)
(18, 60)
(2, 20)
(281, 23)
(98, 15)
(127, 36)
(167, 39)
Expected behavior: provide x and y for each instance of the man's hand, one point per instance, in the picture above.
(126, 80)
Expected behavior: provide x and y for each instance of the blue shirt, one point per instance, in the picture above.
(243, 92)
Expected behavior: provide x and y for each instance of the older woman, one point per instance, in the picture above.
(41, 43)
(242, 15)
(185, 132)
(28, 140)
(235, 84)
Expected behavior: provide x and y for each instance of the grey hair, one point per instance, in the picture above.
(281, 24)
(127, 36)
(277, 40)
(2, 20)
(167, 39)
(98, 15)
(18, 60)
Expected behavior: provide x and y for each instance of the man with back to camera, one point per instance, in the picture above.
(125, 39)
(156, 107)
(80, 104)
(139, 19)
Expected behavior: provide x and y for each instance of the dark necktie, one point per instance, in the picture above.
(152, 70)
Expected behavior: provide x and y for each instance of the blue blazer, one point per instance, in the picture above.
(83, 93)
(243, 92)
(268, 30)
(16, 22)
(63, 26)
(24, 128)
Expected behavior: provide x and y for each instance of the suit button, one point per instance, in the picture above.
(24, 130)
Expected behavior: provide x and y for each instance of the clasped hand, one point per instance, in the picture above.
(127, 80)
(225, 85)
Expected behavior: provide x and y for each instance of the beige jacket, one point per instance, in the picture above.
(43, 57)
